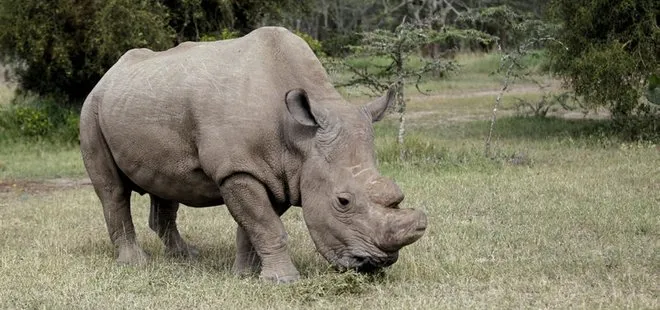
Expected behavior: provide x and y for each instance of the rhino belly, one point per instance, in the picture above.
(162, 162)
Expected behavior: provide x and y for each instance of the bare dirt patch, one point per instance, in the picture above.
(36, 186)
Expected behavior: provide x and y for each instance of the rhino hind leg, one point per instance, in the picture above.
(111, 188)
(162, 220)
(117, 214)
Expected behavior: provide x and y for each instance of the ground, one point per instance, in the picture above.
(563, 216)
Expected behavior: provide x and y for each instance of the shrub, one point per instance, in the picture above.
(609, 55)
(314, 44)
(30, 118)
(63, 47)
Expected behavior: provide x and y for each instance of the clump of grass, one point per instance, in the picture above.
(349, 283)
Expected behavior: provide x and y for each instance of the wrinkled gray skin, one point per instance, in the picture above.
(255, 124)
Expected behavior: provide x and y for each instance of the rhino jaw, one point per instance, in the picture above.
(404, 228)
(366, 264)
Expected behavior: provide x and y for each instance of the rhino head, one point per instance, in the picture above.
(352, 212)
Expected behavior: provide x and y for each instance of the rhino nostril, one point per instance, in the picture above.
(394, 206)
(421, 223)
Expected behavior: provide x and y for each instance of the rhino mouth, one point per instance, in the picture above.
(366, 264)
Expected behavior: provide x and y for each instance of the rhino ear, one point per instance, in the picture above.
(297, 103)
(378, 107)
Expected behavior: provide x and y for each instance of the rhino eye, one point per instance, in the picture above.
(343, 201)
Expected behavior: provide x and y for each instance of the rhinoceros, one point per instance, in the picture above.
(253, 123)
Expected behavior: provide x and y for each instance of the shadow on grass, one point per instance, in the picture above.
(216, 258)
(460, 144)
(539, 128)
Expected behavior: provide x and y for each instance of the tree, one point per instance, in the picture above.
(610, 57)
(192, 19)
(396, 50)
(63, 47)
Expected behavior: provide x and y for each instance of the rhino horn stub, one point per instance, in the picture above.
(384, 192)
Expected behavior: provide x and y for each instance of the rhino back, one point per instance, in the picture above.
(179, 121)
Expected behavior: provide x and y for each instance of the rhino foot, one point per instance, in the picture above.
(132, 255)
(246, 263)
(185, 251)
(280, 278)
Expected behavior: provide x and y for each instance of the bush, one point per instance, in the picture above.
(338, 45)
(62, 48)
(225, 34)
(609, 55)
(34, 118)
(314, 44)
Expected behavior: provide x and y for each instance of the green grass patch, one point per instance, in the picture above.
(574, 232)
(39, 160)
(482, 63)
(477, 71)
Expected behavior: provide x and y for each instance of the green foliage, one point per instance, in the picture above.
(396, 49)
(225, 34)
(61, 47)
(29, 121)
(250, 14)
(338, 44)
(609, 56)
(510, 27)
(195, 20)
(34, 118)
(314, 44)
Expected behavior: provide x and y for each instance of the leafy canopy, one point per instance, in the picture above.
(63, 47)
(610, 57)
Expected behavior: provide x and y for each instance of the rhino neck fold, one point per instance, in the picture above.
(292, 168)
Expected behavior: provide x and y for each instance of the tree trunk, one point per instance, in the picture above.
(401, 103)
(402, 133)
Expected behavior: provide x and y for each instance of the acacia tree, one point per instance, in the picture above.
(388, 56)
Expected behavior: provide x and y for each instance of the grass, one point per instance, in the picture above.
(564, 216)
(576, 231)
(39, 160)
(6, 93)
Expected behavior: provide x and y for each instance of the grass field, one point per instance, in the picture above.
(565, 216)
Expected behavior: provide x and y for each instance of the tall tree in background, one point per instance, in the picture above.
(385, 59)
(63, 47)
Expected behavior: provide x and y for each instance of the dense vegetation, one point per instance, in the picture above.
(57, 50)
(609, 54)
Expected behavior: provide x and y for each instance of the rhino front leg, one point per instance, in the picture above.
(162, 220)
(249, 204)
(247, 260)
